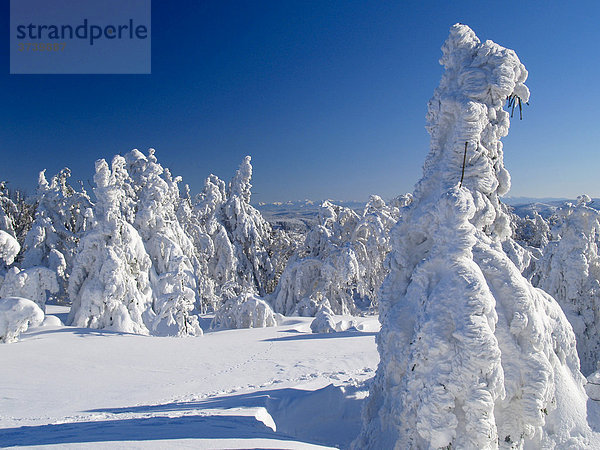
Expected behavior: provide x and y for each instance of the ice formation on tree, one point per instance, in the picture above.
(109, 285)
(569, 270)
(245, 311)
(175, 268)
(59, 222)
(471, 354)
(16, 315)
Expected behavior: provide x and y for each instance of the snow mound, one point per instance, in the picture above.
(245, 311)
(16, 315)
(324, 321)
(471, 354)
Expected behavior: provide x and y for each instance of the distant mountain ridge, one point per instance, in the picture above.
(299, 213)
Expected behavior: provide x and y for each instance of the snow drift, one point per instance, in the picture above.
(472, 355)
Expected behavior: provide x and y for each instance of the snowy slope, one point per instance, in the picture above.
(70, 386)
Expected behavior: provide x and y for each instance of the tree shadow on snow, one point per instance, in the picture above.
(339, 334)
(298, 414)
(141, 429)
(80, 332)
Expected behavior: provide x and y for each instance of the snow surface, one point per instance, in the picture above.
(251, 388)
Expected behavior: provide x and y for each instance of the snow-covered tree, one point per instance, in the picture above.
(471, 354)
(34, 283)
(109, 285)
(244, 251)
(244, 311)
(59, 221)
(174, 264)
(532, 231)
(371, 243)
(324, 268)
(324, 321)
(211, 238)
(340, 261)
(7, 211)
(9, 249)
(250, 234)
(569, 270)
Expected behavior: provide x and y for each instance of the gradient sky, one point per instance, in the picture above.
(329, 98)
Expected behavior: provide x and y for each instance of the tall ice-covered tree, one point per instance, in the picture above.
(471, 354)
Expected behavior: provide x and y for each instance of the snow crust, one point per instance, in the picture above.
(472, 355)
(16, 315)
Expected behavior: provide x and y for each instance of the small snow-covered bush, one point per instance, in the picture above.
(16, 315)
(324, 321)
(245, 311)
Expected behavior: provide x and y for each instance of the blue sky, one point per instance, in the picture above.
(329, 98)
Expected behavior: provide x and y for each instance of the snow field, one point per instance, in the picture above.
(283, 387)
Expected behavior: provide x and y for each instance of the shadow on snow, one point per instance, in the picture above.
(299, 415)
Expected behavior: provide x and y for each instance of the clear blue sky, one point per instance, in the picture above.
(329, 98)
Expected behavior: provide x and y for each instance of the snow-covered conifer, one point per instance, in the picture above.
(324, 268)
(9, 249)
(7, 210)
(244, 311)
(370, 242)
(249, 233)
(173, 274)
(109, 285)
(471, 354)
(211, 238)
(59, 221)
(569, 270)
(35, 283)
(323, 321)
